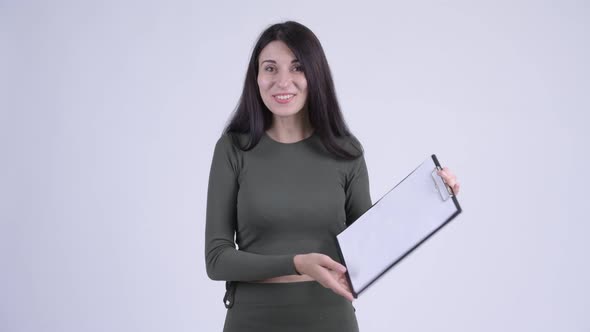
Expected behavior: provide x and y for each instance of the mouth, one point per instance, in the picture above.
(284, 98)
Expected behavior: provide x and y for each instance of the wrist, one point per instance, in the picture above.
(297, 264)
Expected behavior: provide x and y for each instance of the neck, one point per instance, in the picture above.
(292, 128)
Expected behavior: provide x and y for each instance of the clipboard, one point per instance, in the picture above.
(398, 223)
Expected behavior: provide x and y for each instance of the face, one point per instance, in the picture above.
(281, 81)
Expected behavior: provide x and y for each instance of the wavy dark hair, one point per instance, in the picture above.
(251, 115)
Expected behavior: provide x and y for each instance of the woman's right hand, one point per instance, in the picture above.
(326, 271)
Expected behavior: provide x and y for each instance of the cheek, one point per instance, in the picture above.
(304, 93)
(302, 85)
(263, 83)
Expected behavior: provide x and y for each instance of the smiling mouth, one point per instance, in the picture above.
(284, 98)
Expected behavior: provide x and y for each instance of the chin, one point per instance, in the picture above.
(285, 112)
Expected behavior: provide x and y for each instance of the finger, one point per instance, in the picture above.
(448, 179)
(345, 284)
(456, 188)
(448, 171)
(332, 264)
(341, 278)
(325, 277)
(328, 280)
(343, 281)
(451, 182)
(443, 175)
(332, 284)
(340, 290)
(446, 176)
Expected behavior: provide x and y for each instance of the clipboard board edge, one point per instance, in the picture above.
(341, 256)
(355, 294)
(407, 253)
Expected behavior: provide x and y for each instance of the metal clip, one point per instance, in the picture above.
(444, 190)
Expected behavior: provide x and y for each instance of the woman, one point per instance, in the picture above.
(286, 177)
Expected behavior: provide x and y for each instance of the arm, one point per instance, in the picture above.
(223, 260)
(358, 195)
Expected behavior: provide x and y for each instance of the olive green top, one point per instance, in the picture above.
(279, 199)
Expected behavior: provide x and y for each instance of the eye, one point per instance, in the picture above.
(269, 68)
(298, 68)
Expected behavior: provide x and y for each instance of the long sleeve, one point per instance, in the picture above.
(358, 196)
(223, 260)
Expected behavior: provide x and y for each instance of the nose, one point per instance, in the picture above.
(284, 79)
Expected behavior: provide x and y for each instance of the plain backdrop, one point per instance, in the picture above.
(110, 111)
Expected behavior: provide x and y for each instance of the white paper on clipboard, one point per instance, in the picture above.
(396, 224)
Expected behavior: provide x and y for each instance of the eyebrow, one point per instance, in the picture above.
(272, 61)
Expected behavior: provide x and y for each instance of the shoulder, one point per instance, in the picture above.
(227, 152)
(223, 144)
(355, 143)
(351, 143)
(231, 141)
(228, 148)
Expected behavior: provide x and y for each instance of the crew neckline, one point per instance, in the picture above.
(292, 143)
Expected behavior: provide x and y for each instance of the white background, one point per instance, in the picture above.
(110, 111)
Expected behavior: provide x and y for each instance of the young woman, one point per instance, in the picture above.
(286, 177)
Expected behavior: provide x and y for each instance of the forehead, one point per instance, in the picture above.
(277, 51)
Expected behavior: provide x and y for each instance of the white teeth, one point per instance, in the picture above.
(284, 97)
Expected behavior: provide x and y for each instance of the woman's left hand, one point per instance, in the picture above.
(450, 179)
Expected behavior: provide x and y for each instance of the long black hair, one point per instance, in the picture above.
(252, 117)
